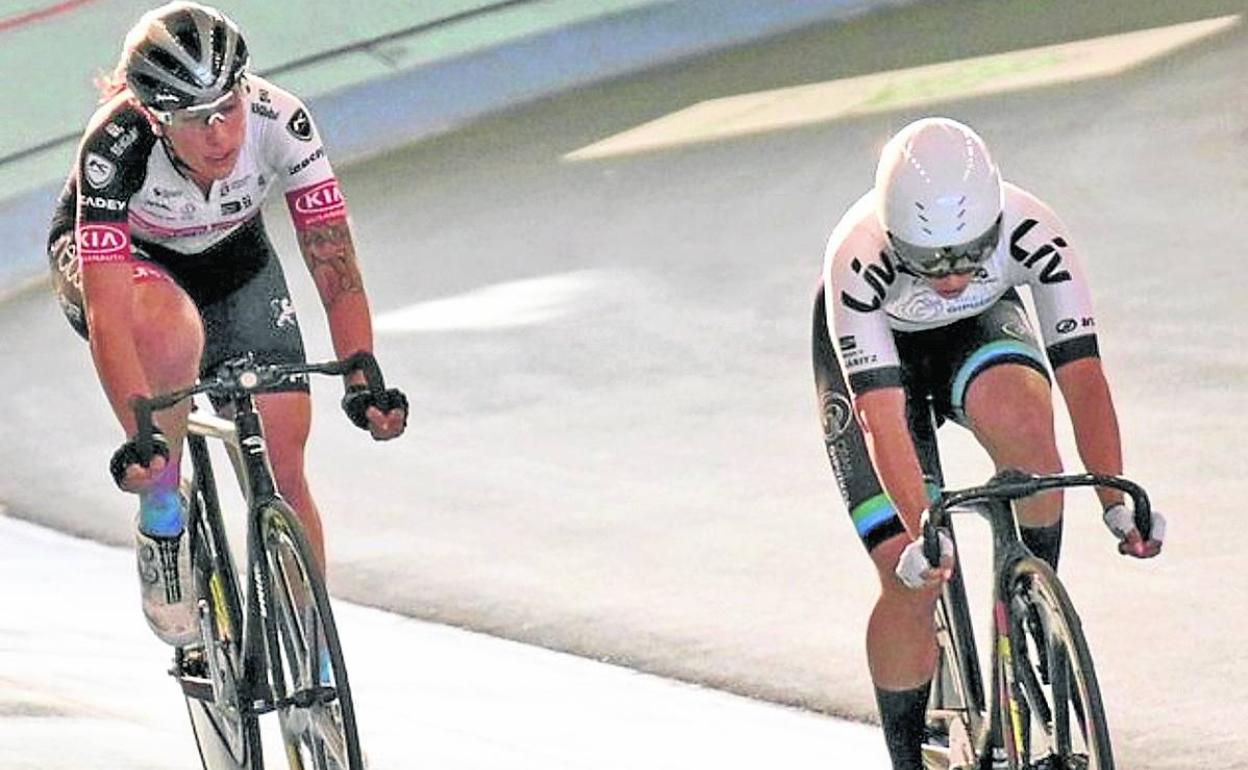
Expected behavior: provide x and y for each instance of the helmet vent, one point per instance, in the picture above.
(218, 49)
(166, 61)
(183, 30)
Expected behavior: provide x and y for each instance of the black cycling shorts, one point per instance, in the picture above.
(237, 285)
(937, 367)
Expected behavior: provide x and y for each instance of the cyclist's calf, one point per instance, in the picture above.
(287, 421)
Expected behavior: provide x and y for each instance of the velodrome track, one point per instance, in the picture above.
(614, 450)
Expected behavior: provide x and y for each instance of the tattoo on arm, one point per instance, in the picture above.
(330, 254)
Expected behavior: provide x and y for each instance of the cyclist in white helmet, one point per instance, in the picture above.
(160, 258)
(918, 321)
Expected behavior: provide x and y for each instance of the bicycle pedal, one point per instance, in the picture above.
(188, 660)
(199, 689)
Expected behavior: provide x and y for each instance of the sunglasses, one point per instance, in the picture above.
(942, 261)
(200, 114)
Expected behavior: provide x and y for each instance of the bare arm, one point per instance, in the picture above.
(329, 253)
(1094, 420)
(108, 293)
(882, 413)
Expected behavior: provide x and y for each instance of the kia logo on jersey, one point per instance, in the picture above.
(317, 203)
(103, 243)
(101, 238)
(320, 199)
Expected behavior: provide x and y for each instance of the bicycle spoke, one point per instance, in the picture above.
(1035, 704)
(311, 712)
(210, 673)
(1054, 678)
(295, 637)
(1064, 697)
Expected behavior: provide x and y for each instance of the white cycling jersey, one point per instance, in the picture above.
(869, 295)
(128, 183)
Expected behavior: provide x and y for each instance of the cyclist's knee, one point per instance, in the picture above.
(1031, 431)
(895, 598)
(288, 421)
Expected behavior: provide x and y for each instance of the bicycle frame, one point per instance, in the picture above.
(993, 501)
(956, 624)
(1007, 549)
(258, 666)
(220, 429)
(244, 444)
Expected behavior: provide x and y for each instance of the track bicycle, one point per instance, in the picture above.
(271, 645)
(1044, 708)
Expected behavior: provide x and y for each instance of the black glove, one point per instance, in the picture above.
(128, 454)
(358, 398)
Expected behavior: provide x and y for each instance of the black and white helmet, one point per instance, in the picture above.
(184, 55)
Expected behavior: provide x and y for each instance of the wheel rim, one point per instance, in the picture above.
(1054, 691)
(223, 717)
(957, 723)
(226, 718)
(311, 717)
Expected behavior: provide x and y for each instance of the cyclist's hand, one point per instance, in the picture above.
(128, 470)
(915, 571)
(384, 416)
(1122, 523)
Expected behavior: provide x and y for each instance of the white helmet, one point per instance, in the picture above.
(938, 197)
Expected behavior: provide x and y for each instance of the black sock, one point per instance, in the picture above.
(902, 713)
(1045, 542)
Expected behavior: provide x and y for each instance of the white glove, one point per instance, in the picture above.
(1122, 523)
(915, 571)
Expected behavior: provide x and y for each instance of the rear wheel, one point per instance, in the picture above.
(310, 684)
(226, 733)
(1054, 718)
(956, 723)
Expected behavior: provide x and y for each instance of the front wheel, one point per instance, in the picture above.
(956, 730)
(1052, 714)
(310, 688)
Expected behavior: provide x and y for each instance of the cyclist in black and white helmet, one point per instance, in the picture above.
(918, 316)
(183, 57)
(160, 258)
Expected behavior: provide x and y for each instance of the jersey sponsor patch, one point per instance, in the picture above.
(283, 313)
(300, 126)
(124, 142)
(836, 413)
(316, 203)
(264, 111)
(103, 243)
(1046, 260)
(100, 202)
(308, 161)
(99, 170)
